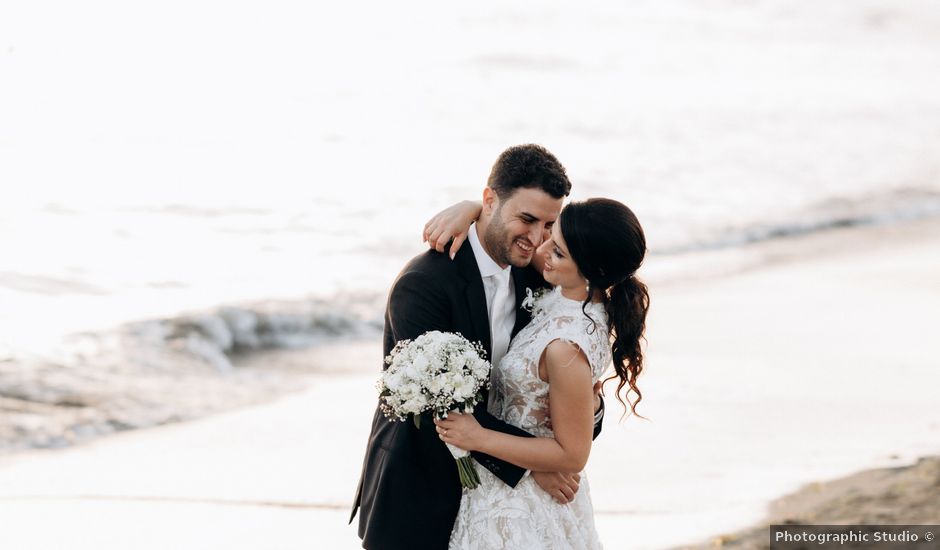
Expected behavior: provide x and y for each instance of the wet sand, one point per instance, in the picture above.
(904, 495)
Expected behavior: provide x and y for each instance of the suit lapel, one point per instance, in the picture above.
(476, 297)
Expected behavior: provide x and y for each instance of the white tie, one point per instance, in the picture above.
(500, 329)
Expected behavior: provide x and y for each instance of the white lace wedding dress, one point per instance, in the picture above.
(496, 516)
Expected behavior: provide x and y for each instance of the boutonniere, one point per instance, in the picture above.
(531, 298)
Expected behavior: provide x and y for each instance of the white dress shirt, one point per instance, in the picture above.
(500, 297)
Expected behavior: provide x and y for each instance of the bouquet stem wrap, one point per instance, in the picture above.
(468, 474)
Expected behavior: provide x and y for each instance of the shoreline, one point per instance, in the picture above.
(51, 406)
(55, 403)
(840, 241)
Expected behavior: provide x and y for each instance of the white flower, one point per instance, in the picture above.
(409, 390)
(481, 369)
(450, 379)
(464, 387)
(395, 379)
(420, 363)
(413, 368)
(533, 300)
(436, 384)
(416, 404)
(529, 300)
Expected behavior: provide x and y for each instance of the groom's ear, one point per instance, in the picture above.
(490, 201)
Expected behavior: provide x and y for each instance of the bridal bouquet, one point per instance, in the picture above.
(437, 372)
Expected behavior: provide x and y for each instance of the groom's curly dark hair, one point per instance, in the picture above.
(528, 166)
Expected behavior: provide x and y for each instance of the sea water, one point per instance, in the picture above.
(197, 154)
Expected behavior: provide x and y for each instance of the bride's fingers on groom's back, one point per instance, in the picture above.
(433, 229)
(430, 230)
(439, 240)
(436, 236)
(459, 238)
(441, 243)
(439, 237)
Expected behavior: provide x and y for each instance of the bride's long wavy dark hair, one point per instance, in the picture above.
(608, 245)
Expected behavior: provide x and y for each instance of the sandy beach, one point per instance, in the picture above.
(783, 363)
(903, 495)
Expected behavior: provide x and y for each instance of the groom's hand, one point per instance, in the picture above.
(562, 487)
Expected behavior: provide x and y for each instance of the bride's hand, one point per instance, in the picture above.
(461, 430)
(451, 223)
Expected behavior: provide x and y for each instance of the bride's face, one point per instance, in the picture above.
(560, 269)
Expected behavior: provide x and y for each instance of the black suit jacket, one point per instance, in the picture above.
(409, 491)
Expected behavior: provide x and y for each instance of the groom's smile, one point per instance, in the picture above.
(526, 247)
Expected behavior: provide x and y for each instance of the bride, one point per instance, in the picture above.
(595, 313)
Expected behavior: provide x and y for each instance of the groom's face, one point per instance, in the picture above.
(518, 224)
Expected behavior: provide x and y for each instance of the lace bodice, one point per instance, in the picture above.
(517, 395)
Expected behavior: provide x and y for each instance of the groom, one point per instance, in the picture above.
(409, 491)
